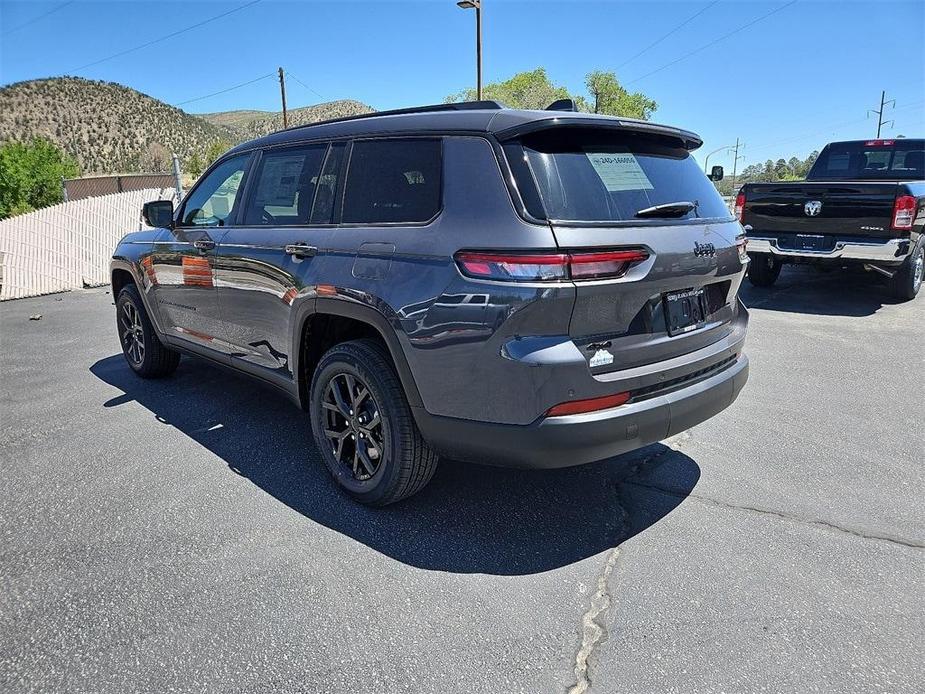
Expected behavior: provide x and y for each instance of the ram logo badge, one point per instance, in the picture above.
(813, 208)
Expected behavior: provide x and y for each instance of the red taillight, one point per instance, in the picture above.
(740, 206)
(518, 268)
(879, 143)
(590, 405)
(540, 267)
(586, 266)
(903, 212)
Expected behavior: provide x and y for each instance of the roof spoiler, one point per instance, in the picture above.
(562, 105)
(691, 141)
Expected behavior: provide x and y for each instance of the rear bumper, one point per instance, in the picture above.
(553, 442)
(889, 251)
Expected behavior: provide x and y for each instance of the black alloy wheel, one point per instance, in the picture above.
(363, 427)
(353, 426)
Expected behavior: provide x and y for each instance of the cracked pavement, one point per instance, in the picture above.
(182, 535)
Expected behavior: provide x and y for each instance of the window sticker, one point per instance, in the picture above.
(619, 171)
(280, 180)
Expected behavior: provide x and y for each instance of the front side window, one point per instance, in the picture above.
(214, 199)
(284, 187)
(588, 175)
(392, 181)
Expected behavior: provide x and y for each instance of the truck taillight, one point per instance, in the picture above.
(903, 212)
(548, 267)
(740, 206)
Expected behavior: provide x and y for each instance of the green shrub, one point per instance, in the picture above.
(30, 175)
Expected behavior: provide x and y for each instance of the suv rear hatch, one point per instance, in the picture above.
(622, 188)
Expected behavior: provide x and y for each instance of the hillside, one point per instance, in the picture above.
(246, 125)
(110, 128)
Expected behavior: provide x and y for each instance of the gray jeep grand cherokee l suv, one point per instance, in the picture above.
(527, 288)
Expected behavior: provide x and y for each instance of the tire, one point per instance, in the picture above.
(145, 353)
(764, 269)
(404, 463)
(907, 281)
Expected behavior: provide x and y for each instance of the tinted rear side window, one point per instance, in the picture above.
(871, 160)
(285, 186)
(590, 175)
(393, 181)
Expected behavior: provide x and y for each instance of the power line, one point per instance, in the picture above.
(222, 91)
(714, 41)
(304, 85)
(167, 36)
(41, 16)
(665, 36)
(828, 128)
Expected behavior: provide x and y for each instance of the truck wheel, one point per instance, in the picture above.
(143, 351)
(764, 269)
(363, 426)
(907, 281)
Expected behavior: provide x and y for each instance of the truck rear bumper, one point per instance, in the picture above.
(889, 251)
(553, 442)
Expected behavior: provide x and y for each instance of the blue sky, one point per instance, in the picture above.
(785, 85)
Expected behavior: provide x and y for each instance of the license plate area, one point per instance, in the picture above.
(818, 243)
(685, 310)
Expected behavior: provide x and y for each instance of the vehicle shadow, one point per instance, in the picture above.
(469, 519)
(835, 292)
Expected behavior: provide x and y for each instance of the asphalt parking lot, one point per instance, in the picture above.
(182, 535)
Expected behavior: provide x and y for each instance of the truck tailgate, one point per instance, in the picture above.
(843, 208)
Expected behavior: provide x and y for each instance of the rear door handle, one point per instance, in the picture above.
(301, 250)
(204, 244)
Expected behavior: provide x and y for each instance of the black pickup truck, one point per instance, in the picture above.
(862, 203)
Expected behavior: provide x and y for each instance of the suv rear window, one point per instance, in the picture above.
(392, 181)
(874, 159)
(587, 175)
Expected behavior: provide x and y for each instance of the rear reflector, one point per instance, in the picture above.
(903, 212)
(590, 405)
(740, 207)
(546, 267)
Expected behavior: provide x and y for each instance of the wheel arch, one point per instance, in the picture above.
(366, 322)
(123, 272)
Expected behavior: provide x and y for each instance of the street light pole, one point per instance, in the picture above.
(706, 161)
(477, 6)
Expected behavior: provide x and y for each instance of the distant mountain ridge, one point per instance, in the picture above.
(246, 125)
(110, 128)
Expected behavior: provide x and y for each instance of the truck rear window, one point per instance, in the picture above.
(592, 175)
(872, 160)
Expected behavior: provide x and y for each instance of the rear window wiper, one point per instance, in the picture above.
(668, 209)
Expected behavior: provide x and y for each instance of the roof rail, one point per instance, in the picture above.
(488, 104)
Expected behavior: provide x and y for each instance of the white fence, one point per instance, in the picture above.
(67, 246)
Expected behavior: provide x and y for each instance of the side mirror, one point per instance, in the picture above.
(158, 213)
(716, 173)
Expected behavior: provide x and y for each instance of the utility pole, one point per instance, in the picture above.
(178, 178)
(282, 92)
(883, 104)
(735, 163)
